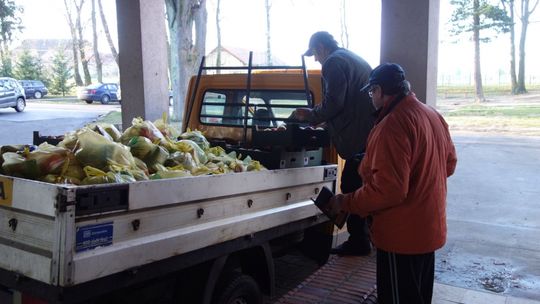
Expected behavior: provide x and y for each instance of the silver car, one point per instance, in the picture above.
(12, 94)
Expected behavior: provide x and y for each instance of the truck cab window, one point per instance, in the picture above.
(267, 108)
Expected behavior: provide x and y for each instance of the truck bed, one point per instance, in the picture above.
(67, 235)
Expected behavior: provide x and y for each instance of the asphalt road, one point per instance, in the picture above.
(48, 119)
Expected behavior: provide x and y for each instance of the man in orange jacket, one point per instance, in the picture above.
(409, 156)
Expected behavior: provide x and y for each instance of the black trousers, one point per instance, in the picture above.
(356, 225)
(404, 278)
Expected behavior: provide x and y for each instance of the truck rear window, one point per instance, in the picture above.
(267, 108)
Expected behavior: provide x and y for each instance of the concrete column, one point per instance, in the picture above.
(143, 59)
(409, 37)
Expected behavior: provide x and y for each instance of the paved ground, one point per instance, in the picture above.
(494, 216)
(493, 207)
(48, 119)
(352, 280)
(493, 249)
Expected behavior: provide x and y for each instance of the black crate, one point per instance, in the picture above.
(292, 137)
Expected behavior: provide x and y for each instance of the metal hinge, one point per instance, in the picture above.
(64, 199)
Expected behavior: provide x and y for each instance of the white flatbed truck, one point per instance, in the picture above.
(203, 239)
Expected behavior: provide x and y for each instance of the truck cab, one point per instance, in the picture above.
(217, 105)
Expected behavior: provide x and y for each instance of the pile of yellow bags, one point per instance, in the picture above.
(98, 153)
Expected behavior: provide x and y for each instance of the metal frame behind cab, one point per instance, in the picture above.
(249, 69)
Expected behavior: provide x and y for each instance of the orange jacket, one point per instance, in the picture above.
(409, 156)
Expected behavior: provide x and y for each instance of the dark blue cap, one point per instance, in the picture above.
(323, 38)
(387, 75)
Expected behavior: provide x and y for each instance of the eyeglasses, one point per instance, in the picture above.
(370, 91)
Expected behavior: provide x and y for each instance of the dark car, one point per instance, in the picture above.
(34, 88)
(11, 94)
(102, 92)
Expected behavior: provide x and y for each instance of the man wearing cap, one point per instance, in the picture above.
(408, 158)
(348, 114)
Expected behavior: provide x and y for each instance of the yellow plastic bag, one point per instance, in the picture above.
(166, 129)
(96, 151)
(140, 127)
(104, 129)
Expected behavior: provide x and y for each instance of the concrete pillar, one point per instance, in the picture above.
(409, 37)
(143, 59)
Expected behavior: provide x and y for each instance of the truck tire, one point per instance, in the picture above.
(239, 289)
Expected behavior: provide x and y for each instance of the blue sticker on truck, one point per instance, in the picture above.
(92, 236)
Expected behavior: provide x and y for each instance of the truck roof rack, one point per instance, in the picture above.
(249, 68)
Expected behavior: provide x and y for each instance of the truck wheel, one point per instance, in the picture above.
(89, 101)
(37, 95)
(239, 289)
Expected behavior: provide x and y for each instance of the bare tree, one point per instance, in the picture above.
(525, 13)
(509, 8)
(343, 20)
(97, 59)
(268, 6)
(218, 27)
(74, 44)
(82, 52)
(114, 52)
(185, 17)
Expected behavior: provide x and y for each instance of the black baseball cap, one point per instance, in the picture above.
(387, 75)
(323, 38)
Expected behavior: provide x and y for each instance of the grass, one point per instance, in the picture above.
(523, 111)
(488, 89)
(503, 115)
(113, 117)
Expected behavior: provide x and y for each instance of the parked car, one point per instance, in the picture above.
(103, 92)
(34, 88)
(12, 94)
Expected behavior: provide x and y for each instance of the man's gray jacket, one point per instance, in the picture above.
(346, 110)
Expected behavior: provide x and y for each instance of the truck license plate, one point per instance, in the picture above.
(93, 236)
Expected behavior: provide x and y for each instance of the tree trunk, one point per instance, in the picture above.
(97, 59)
(74, 43)
(186, 54)
(82, 52)
(344, 29)
(510, 11)
(513, 49)
(479, 91)
(107, 33)
(218, 27)
(525, 13)
(268, 6)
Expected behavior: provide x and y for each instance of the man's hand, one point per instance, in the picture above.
(303, 114)
(334, 206)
